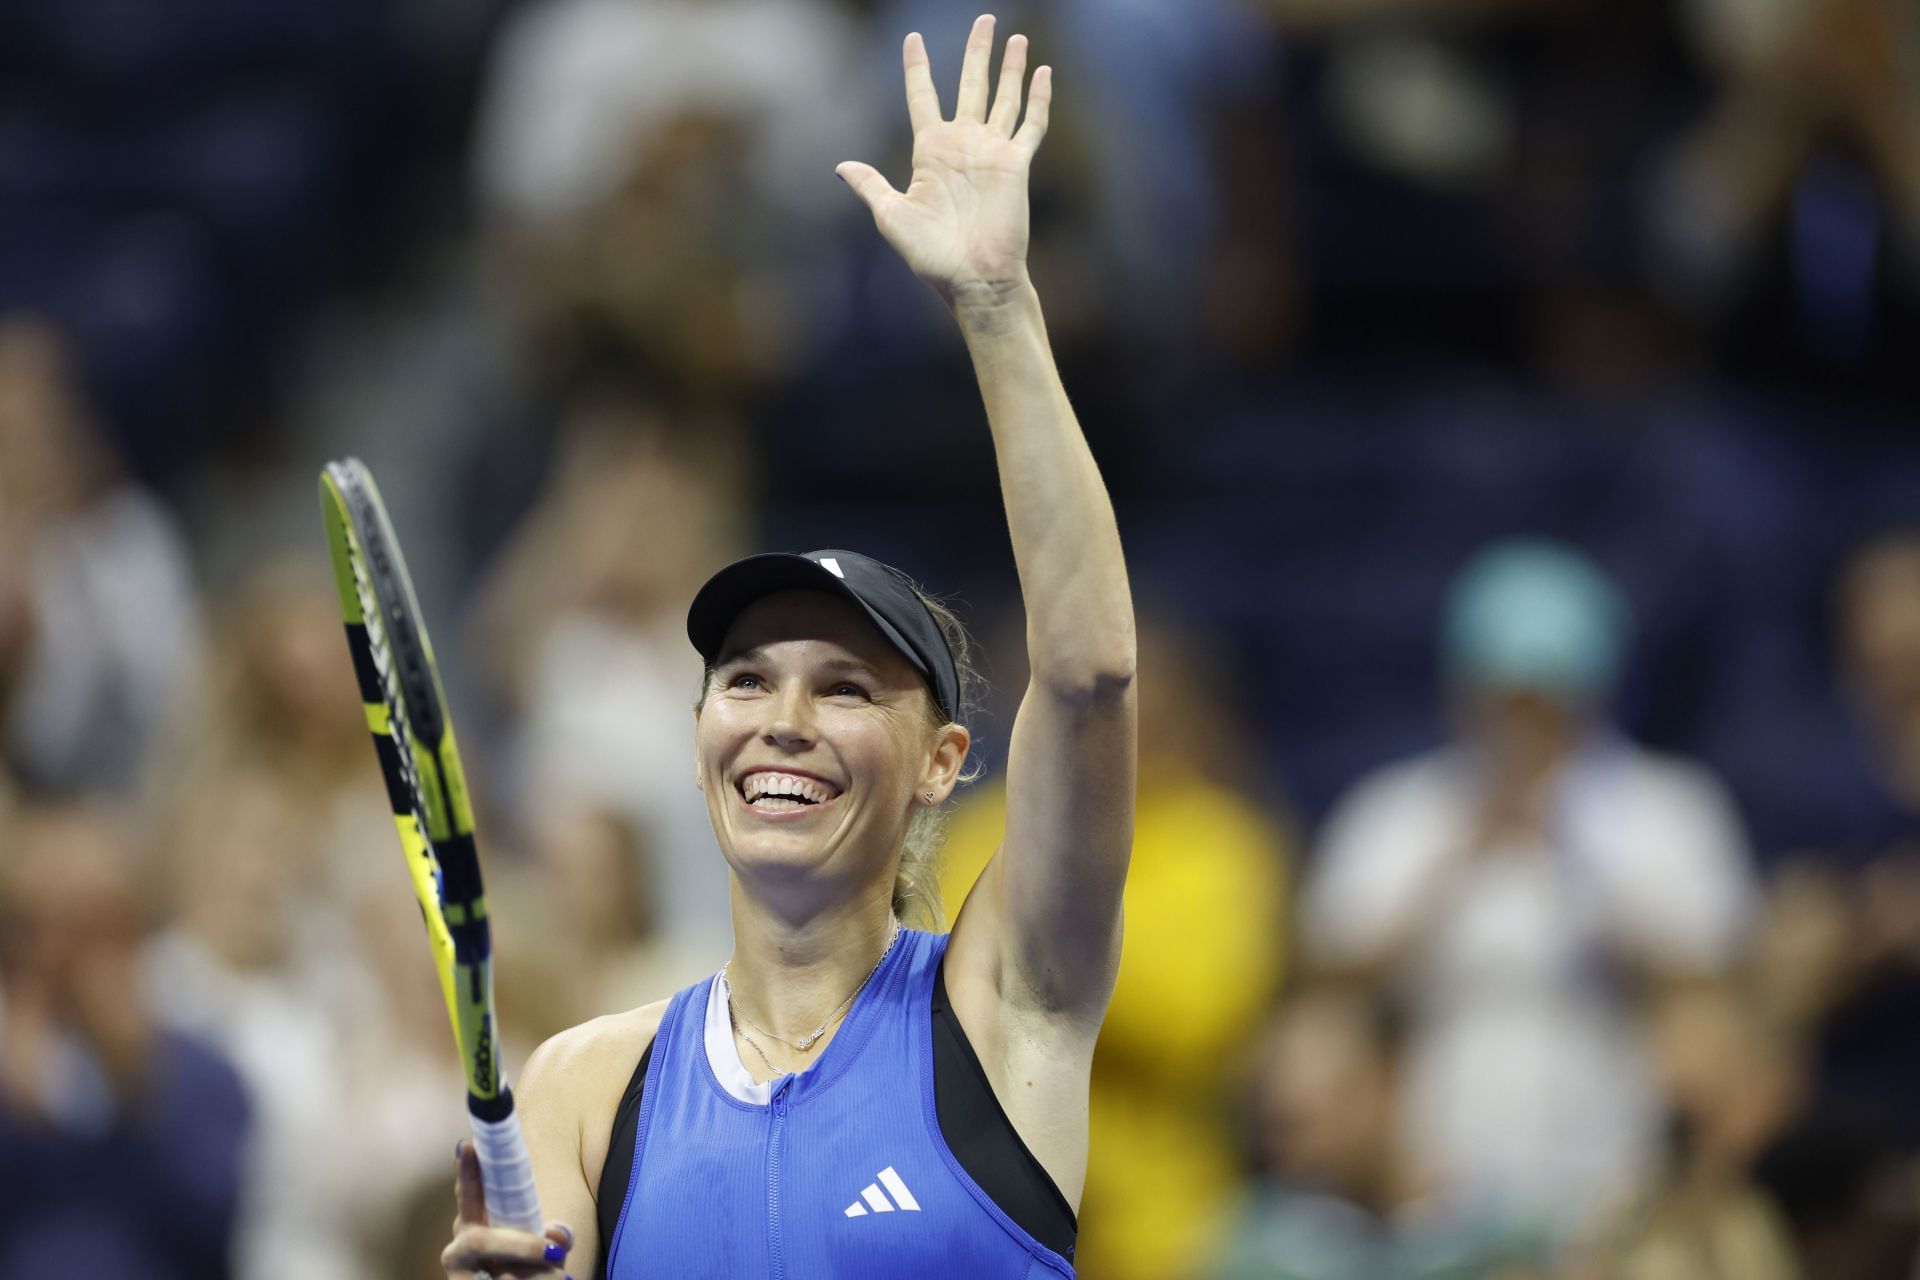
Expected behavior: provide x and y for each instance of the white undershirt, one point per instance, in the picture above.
(723, 1055)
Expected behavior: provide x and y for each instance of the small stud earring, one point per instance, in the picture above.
(928, 795)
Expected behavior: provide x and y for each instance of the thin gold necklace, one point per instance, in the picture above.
(805, 1042)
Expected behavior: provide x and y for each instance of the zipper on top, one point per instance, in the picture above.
(776, 1259)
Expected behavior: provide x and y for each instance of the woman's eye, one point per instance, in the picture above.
(849, 691)
(745, 680)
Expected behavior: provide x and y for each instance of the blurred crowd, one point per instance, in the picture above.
(1510, 409)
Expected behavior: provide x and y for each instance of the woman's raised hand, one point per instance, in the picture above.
(961, 224)
(481, 1250)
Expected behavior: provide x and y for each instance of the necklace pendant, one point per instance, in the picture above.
(801, 1046)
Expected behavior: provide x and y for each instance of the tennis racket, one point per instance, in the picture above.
(407, 713)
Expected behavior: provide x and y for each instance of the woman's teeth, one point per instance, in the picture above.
(780, 804)
(779, 791)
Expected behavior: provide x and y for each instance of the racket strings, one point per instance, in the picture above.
(397, 742)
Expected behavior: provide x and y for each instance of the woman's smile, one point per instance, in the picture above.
(783, 795)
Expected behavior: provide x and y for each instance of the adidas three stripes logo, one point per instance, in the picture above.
(876, 1199)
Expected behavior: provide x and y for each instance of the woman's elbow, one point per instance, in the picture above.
(1088, 680)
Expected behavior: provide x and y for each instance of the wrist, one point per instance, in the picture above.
(982, 298)
(992, 308)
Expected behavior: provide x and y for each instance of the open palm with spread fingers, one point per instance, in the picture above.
(961, 224)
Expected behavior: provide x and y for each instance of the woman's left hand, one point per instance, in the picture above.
(962, 222)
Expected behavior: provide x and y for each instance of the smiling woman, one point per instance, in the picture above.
(888, 624)
(809, 684)
(850, 1096)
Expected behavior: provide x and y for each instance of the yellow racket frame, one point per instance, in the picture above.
(419, 759)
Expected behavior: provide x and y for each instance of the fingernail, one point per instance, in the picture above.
(456, 1150)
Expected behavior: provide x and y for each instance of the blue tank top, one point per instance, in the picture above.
(844, 1173)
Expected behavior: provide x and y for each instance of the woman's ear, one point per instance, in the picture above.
(948, 758)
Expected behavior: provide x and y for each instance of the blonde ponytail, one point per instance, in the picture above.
(916, 885)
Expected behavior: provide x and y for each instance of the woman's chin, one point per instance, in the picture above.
(790, 850)
(779, 843)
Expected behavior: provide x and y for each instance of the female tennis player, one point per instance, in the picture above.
(850, 1097)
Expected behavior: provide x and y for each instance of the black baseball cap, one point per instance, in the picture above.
(884, 593)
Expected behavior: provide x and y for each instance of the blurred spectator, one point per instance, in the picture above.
(1521, 886)
(584, 631)
(1841, 953)
(580, 87)
(1466, 178)
(295, 943)
(225, 970)
(581, 931)
(664, 170)
(283, 710)
(1810, 154)
(1731, 1083)
(398, 1065)
(120, 1142)
(1878, 624)
(1403, 131)
(106, 638)
(282, 697)
(1869, 1033)
(1345, 1200)
(1204, 926)
(675, 260)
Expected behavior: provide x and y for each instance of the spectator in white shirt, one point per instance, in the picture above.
(99, 624)
(1524, 886)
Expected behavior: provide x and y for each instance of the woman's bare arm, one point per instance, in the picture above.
(1046, 913)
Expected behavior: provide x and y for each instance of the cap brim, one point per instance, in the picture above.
(728, 594)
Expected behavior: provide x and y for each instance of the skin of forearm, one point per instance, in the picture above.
(1066, 545)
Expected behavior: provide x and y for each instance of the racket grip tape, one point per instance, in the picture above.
(506, 1173)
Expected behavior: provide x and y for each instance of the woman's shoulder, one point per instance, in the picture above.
(572, 1084)
(582, 1058)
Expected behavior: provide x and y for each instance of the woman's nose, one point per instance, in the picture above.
(790, 723)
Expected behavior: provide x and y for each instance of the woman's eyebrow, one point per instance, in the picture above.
(728, 659)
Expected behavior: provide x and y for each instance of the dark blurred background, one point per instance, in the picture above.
(1513, 414)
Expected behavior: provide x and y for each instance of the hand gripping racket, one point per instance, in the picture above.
(407, 712)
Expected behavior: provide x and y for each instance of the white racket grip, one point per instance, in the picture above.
(506, 1174)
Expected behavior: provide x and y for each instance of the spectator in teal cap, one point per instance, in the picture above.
(1532, 640)
(1536, 615)
(1526, 888)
